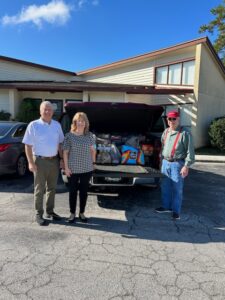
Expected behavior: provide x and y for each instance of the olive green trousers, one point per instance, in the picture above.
(45, 181)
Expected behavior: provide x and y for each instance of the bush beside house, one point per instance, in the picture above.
(4, 116)
(217, 133)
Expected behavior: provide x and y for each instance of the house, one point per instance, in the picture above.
(187, 76)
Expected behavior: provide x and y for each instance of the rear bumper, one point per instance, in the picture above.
(124, 175)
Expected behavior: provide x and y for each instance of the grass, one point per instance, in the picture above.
(208, 150)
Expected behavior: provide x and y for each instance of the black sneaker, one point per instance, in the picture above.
(40, 220)
(175, 216)
(54, 216)
(162, 210)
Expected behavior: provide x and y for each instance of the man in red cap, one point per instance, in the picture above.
(177, 156)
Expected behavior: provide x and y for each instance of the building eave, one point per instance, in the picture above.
(80, 86)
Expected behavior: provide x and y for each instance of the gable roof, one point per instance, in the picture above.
(142, 57)
(27, 63)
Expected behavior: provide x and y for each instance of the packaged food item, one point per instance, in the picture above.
(131, 155)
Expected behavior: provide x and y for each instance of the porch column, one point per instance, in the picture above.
(13, 103)
(86, 96)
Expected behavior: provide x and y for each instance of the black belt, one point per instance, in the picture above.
(47, 157)
(173, 159)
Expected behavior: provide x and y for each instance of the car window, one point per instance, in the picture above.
(4, 128)
(20, 131)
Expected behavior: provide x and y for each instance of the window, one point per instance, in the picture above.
(161, 75)
(188, 73)
(176, 74)
(20, 131)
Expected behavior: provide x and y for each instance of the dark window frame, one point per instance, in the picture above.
(171, 64)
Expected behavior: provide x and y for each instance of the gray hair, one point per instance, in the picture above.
(46, 103)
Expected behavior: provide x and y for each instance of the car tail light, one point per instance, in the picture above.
(3, 147)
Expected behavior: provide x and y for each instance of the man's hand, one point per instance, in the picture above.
(184, 171)
(32, 167)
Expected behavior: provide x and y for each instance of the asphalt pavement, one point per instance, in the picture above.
(125, 252)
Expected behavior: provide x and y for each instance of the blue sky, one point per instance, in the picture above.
(76, 35)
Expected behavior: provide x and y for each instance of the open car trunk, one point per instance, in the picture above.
(121, 125)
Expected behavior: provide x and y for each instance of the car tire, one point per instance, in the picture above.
(21, 166)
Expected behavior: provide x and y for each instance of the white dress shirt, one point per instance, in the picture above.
(43, 137)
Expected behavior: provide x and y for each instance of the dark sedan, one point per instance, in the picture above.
(12, 151)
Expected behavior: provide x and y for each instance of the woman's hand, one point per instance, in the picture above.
(68, 172)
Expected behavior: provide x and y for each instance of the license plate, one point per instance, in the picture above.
(111, 179)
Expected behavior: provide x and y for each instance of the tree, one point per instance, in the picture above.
(218, 25)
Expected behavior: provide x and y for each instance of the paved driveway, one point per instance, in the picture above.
(126, 251)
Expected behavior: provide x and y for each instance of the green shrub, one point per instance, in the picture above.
(28, 110)
(4, 116)
(217, 133)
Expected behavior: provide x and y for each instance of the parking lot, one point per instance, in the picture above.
(126, 251)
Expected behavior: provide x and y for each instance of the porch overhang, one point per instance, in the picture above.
(80, 86)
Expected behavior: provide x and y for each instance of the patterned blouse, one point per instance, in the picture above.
(79, 147)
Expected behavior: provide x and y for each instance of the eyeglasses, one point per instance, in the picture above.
(172, 119)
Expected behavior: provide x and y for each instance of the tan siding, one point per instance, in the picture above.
(106, 97)
(12, 71)
(140, 73)
(211, 95)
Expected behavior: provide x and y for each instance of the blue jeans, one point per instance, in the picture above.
(172, 185)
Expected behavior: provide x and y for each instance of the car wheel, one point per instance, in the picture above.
(21, 166)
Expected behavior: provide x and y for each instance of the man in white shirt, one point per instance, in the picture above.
(43, 139)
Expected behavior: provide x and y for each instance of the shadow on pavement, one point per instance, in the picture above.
(202, 218)
(12, 183)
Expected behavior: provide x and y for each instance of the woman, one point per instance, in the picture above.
(79, 156)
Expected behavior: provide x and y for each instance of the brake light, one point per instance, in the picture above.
(3, 147)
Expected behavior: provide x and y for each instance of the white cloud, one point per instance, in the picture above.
(55, 12)
(82, 3)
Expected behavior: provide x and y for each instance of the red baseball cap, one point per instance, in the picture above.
(173, 114)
